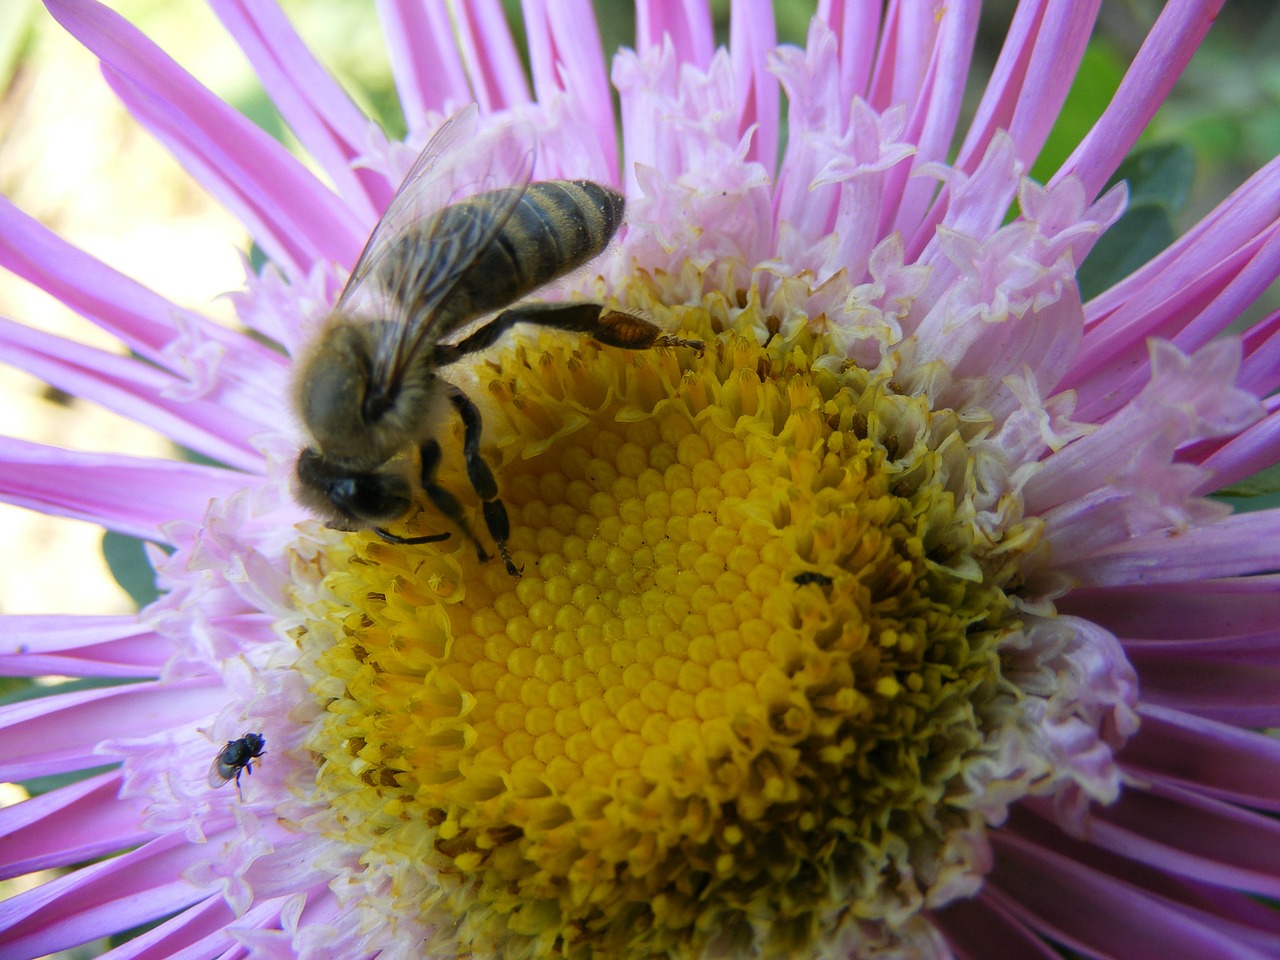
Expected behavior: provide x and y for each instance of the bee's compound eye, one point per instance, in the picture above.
(352, 498)
(372, 497)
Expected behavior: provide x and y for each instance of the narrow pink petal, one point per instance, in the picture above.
(101, 899)
(857, 29)
(1185, 399)
(141, 392)
(107, 489)
(1044, 45)
(296, 218)
(686, 22)
(1248, 212)
(1262, 648)
(489, 54)
(752, 37)
(906, 44)
(1090, 911)
(33, 646)
(936, 108)
(1237, 545)
(1182, 832)
(1189, 310)
(1181, 611)
(1172, 40)
(425, 61)
(980, 929)
(61, 731)
(1236, 917)
(271, 216)
(330, 127)
(1217, 759)
(566, 56)
(144, 320)
(1260, 370)
(1254, 449)
(199, 932)
(1237, 692)
(55, 634)
(73, 824)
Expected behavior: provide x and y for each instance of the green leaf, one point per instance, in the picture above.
(1260, 484)
(1258, 492)
(1159, 179)
(127, 559)
(1135, 238)
(1159, 175)
(1101, 70)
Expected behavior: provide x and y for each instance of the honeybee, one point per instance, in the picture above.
(235, 758)
(367, 389)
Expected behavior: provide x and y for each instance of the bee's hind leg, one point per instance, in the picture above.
(611, 327)
(482, 481)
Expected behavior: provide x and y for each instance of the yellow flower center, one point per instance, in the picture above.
(729, 705)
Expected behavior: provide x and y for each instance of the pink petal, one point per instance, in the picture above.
(292, 215)
(1238, 692)
(1212, 758)
(1179, 831)
(142, 393)
(980, 929)
(1090, 911)
(856, 26)
(204, 930)
(1243, 544)
(1172, 40)
(567, 57)
(907, 42)
(1045, 43)
(1253, 450)
(687, 23)
(145, 321)
(329, 126)
(936, 108)
(105, 488)
(489, 54)
(1186, 399)
(101, 899)
(32, 646)
(1208, 608)
(61, 731)
(73, 824)
(1261, 648)
(425, 61)
(1260, 371)
(752, 37)
(1248, 212)
(1195, 301)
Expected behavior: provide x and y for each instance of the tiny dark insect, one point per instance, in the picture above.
(235, 758)
(812, 576)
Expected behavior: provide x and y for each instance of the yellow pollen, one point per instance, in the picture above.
(727, 707)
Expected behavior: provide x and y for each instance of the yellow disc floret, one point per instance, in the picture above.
(728, 706)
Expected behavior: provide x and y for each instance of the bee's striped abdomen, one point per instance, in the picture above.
(557, 226)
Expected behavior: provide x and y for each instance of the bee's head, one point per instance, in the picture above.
(349, 499)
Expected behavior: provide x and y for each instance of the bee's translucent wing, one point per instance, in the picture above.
(411, 202)
(216, 776)
(415, 258)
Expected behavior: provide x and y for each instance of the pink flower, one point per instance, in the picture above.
(897, 624)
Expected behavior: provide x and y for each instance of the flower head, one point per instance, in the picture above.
(893, 623)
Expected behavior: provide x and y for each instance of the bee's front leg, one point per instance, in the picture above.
(481, 477)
